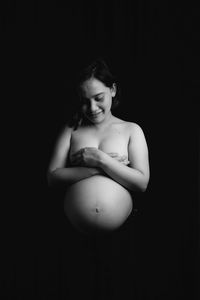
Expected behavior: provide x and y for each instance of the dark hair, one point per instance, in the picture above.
(97, 69)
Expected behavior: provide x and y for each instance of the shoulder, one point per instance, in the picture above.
(64, 134)
(137, 139)
(131, 127)
(66, 129)
(134, 127)
(135, 131)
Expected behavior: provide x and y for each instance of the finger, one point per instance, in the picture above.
(76, 155)
(127, 162)
(123, 158)
(79, 151)
(112, 154)
(120, 158)
(77, 163)
(76, 159)
(91, 148)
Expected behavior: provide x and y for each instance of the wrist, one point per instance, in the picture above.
(103, 160)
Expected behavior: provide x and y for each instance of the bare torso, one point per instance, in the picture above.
(99, 202)
(113, 138)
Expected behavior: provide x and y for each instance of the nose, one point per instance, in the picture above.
(92, 106)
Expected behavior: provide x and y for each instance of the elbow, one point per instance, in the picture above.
(56, 178)
(143, 188)
(142, 185)
(140, 188)
(50, 178)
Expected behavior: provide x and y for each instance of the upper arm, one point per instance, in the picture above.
(138, 150)
(61, 150)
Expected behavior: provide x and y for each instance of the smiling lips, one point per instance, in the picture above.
(95, 114)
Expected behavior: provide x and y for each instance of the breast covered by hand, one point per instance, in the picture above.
(97, 203)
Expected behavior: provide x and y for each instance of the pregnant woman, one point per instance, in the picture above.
(100, 158)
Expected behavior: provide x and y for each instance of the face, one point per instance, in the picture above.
(97, 100)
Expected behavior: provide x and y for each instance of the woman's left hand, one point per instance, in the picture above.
(87, 157)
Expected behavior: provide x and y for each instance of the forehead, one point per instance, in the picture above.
(92, 87)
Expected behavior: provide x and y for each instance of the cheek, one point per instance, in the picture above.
(109, 103)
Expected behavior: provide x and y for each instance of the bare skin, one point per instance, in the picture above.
(100, 164)
(103, 145)
(112, 140)
(103, 134)
(116, 204)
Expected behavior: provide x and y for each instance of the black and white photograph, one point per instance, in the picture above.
(100, 117)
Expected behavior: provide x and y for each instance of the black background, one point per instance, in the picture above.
(153, 49)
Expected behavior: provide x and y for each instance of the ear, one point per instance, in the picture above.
(113, 90)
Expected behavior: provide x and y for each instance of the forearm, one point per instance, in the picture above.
(130, 178)
(68, 176)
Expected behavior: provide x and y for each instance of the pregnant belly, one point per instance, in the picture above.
(97, 204)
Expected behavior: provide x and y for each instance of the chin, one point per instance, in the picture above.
(96, 120)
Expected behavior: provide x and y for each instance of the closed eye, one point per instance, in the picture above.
(99, 98)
